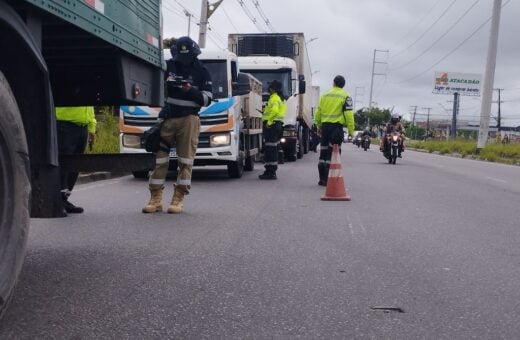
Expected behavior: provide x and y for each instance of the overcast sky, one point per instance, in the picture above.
(348, 31)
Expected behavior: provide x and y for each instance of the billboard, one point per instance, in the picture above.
(465, 84)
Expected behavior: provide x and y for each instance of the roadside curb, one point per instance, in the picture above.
(99, 176)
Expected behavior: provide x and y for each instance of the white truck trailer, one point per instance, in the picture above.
(282, 57)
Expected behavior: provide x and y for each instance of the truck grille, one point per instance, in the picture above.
(140, 121)
(214, 119)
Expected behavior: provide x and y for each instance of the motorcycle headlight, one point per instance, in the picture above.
(394, 138)
(131, 141)
(282, 140)
(219, 140)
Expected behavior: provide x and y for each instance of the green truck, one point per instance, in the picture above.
(64, 53)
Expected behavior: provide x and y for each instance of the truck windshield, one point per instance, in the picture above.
(218, 72)
(266, 77)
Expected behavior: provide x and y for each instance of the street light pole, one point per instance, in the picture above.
(489, 76)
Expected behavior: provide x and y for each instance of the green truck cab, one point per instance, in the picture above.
(64, 53)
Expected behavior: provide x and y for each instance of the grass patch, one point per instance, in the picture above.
(503, 153)
(107, 135)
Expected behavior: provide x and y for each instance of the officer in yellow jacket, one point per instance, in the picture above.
(272, 119)
(333, 113)
(76, 126)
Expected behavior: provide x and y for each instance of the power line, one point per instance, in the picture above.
(250, 15)
(229, 19)
(419, 21)
(439, 39)
(262, 14)
(428, 29)
(172, 10)
(453, 50)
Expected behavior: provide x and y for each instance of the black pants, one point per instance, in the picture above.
(272, 139)
(72, 139)
(331, 133)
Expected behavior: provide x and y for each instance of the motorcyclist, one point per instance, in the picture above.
(394, 125)
(366, 133)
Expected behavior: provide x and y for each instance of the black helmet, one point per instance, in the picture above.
(185, 50)
(275, 85)
(395, 118)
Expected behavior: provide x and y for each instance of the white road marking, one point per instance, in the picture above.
(496, 179)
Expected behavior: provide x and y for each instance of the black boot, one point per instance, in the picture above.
(71, 208)
(322, 172)
(267, 175)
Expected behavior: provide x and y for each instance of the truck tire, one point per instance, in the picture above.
(299, 144)
(15, 192)
(140, 174)
(306, 140)
(236, 169)
(249, 164)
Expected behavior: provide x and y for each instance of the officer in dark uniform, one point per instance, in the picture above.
(189, 88)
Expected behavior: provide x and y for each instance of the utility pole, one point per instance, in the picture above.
(489, 76)
(374, 62)
(189, 15)
(456, 98)
(499, 117)
(205, 12)
(413, 119)
(427, 121)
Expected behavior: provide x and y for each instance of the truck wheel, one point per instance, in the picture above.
(299, 144)
(15, 191)
(140, 174)
(306, 140)
(249, 164)
(236, 169)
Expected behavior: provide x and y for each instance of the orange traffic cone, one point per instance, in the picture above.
(335, 186)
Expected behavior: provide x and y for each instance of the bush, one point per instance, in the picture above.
(107, 135)
(508, 153)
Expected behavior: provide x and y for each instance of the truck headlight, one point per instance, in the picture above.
(219, 140)
(132, 141)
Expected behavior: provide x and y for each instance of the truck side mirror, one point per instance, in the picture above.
(242, 86)
(301, 87)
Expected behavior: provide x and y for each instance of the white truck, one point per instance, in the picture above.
(282, 57)
(231, 127)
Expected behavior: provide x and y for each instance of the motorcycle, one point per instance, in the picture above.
(365, 142)
(393, 146)
(357, 141)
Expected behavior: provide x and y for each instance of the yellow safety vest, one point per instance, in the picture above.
(80, 115)
(335, 107)
(275, 109)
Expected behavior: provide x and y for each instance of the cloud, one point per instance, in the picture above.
(348, 31)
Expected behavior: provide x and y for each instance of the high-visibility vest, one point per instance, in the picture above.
(79, 115)
(275, 109)
(335, 107)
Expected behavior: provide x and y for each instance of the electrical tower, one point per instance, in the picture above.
(374, 62)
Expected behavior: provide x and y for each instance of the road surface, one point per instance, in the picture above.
(427, 248)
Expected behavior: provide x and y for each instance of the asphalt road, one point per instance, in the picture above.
(434, 239)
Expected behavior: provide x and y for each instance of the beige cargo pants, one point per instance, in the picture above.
(184, 133)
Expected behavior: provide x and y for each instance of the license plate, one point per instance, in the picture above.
(173, 153)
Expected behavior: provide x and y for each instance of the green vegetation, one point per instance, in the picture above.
(375, 116)
(502, 153)
(107, 136)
